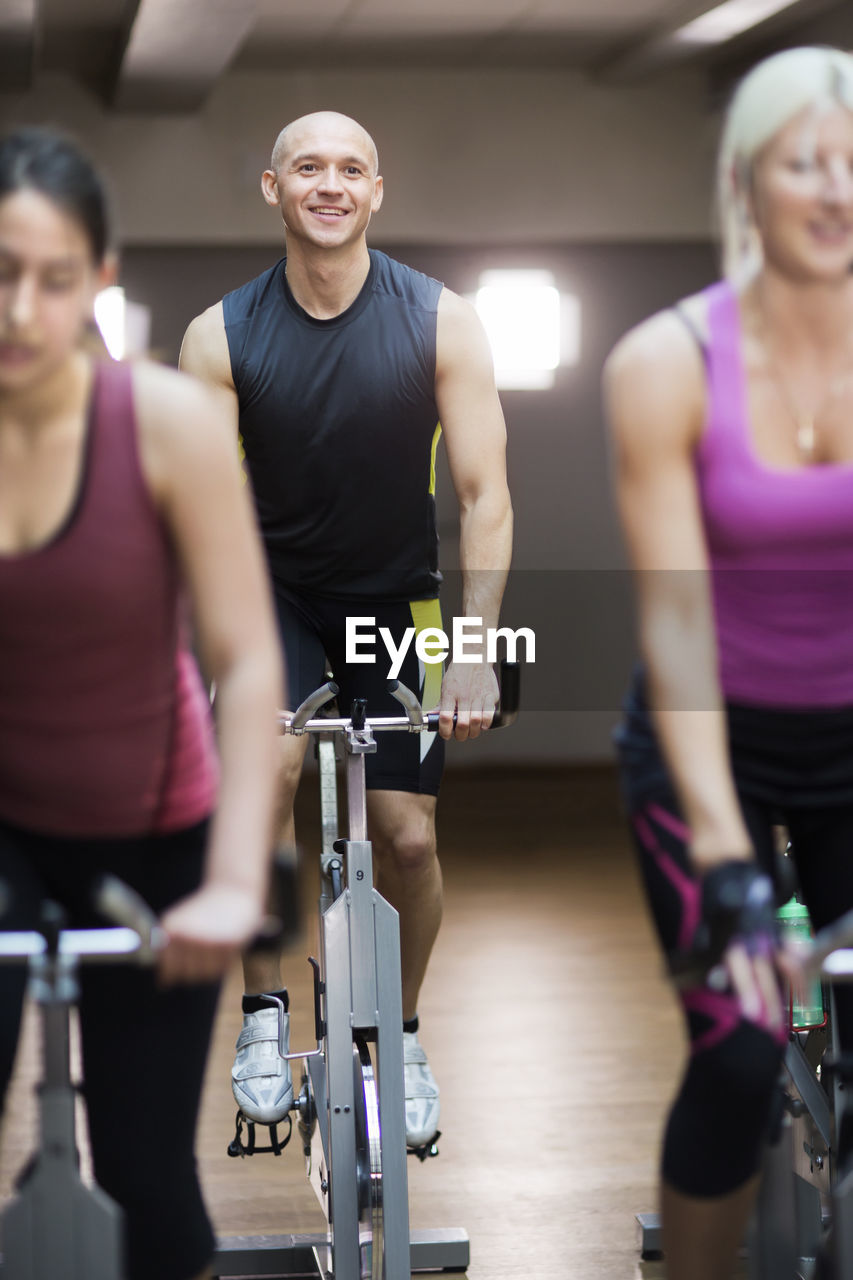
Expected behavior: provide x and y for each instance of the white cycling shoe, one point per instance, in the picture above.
(260, 1078)
(422, 1099)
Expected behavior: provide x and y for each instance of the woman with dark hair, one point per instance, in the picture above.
(732, 420)
(120, 496)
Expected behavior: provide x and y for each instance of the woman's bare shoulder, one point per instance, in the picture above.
(654, 378)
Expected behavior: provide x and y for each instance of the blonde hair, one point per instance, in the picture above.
(768, 97)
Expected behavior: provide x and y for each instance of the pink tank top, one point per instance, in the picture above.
(104, 726)
(781, 548)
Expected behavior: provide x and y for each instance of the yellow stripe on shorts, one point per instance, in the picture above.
(426, 614)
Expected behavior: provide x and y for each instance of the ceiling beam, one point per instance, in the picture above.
(176, 50)
(18, 40)
(673, 44)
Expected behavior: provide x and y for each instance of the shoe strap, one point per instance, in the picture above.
(413, 1053)
(270, 1070)
(256, 1034)
(421, 1089)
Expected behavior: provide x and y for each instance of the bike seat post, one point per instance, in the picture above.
(54, 986)
(358, 743)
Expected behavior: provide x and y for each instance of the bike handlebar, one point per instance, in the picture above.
(829, 952)
(828, 955)
(134, 934)
(415, 721)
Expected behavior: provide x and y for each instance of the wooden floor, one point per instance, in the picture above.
(549, 1028)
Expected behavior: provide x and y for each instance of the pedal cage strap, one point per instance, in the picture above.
(237, 1147)
(428, 1150)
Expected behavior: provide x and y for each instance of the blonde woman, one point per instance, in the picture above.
(732, 426)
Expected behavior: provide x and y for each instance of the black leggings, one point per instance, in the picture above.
(720, 1115)
(144, 1048)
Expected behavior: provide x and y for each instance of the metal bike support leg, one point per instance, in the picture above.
(773, 1250)
(57, 1226)
(377, 1012)
(362, 939)
(360, 946)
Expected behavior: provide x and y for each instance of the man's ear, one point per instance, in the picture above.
(269, 188)
(378, 192)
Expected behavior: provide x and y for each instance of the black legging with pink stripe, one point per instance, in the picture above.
(790, 767)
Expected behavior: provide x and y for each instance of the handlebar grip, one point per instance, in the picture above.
(506, 712)
(510, 682)
(832, 937)
(314, 703)
(123, 906)
(407, 700)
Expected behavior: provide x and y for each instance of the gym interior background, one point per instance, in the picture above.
(571, 136)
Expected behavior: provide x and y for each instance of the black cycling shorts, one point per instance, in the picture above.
(313, 632)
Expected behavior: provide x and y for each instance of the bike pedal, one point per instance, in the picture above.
(428, 1151)
(237, 1147)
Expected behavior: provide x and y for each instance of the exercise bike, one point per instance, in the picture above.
(350, 1110)
(802, 1227)
(803, 1224)
(56, 1226)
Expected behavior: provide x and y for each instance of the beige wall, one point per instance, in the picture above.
(607, 187)
(504, 156)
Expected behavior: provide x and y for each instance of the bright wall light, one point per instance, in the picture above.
(109, 317)
(125, 326)
(727, 20)
(524, 318)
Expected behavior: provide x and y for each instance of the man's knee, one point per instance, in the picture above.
(411, 849)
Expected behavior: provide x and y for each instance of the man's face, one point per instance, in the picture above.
(326, 184)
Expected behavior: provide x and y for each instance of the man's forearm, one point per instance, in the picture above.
(485, 550)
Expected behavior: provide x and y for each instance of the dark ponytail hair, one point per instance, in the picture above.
(42, 160)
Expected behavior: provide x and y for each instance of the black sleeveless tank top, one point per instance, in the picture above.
(340, 426)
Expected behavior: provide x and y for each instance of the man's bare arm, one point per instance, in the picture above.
(205, 354)
(475, 438)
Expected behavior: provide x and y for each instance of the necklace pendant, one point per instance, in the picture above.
(805, 438)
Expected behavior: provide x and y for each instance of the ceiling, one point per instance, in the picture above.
(166, 55)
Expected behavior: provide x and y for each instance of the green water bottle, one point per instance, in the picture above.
(807, 1000)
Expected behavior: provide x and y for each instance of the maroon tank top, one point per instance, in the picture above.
(104, 726)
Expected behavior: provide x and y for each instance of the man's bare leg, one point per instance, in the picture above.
(262, 969)
(402, 828)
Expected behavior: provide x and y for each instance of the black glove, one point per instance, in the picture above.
(738, 905)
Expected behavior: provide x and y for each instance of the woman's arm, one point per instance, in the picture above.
(654, 388)
(189, 456)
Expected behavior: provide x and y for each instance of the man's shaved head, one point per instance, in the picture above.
(331, 123)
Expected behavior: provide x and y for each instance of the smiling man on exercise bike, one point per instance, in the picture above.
(338, 365)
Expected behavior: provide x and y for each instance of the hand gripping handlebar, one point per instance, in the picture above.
(415, 721)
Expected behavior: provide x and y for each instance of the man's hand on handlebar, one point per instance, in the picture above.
(470, 692)
(206, 930)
